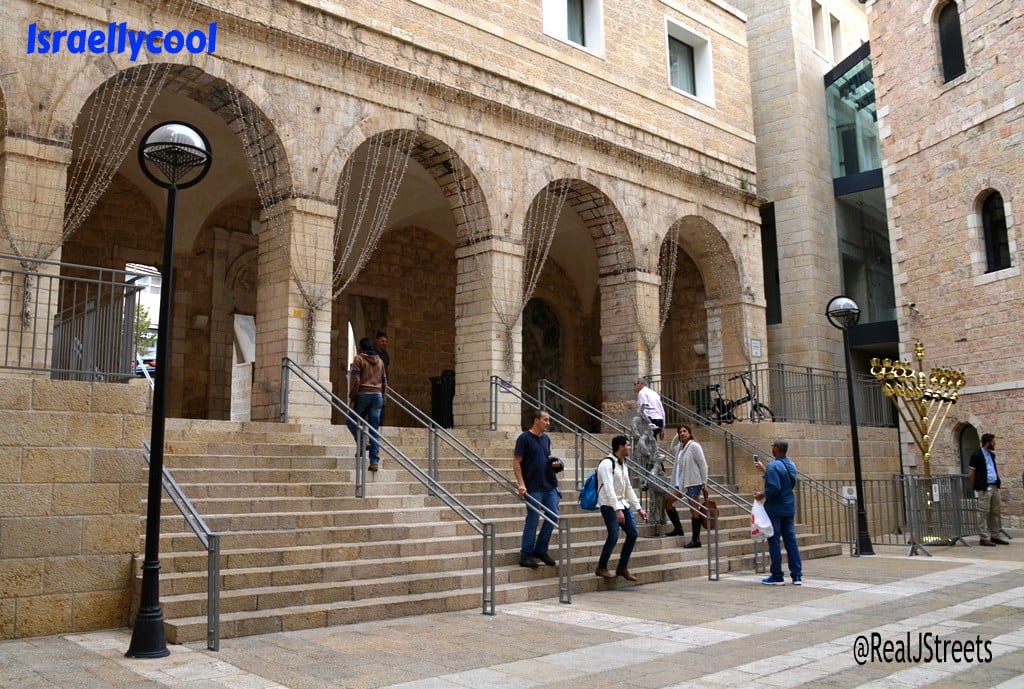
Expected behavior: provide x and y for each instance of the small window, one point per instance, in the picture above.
(689, 63)
(575, 21)
(993, 222)
(837, 41)
(951, 43)
(818, 27)
(680, 62)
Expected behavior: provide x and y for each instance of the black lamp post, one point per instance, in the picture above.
(843, 313)
(180, 157)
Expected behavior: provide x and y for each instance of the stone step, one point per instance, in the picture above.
(534, 585)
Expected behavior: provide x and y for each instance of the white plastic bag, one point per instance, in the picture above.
(760, 525)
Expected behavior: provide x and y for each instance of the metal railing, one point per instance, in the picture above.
(74, 326)
(583, 438)
(916, 511)
(438, 435)
(210, 541)
(827, 512)
(434, 488)
(799, 394)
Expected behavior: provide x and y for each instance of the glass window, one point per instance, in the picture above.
(577, 32)
(689, 62)
(951, 43)
(681, 71)
(576, 21)
(853, 120)
(993, 222)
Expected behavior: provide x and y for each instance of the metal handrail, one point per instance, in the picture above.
(484, 528)
(210, 541)
(438, 434)
(820, 490)
(585, 438)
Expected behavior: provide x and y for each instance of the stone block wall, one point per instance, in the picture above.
(71, 503)
(946, 146)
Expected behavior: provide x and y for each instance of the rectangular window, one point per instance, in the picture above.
(575, 21)
(837, 41)
(818, 27)
(680, 60)
(689, 62)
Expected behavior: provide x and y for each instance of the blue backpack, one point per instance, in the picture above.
(588, 492)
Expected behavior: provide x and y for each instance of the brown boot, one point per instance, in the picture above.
(624, 573)
(604, 573)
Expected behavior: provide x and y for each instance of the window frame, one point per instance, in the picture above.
(995, 239)
(703, 74)
(950, 44)
(555, 19)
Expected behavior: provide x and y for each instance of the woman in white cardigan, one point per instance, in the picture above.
(618, 501)
(690, 477)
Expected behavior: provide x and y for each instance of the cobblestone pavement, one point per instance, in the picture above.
(955, 619)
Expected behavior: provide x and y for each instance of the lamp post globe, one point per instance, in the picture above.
(172, 155)
(844, 313)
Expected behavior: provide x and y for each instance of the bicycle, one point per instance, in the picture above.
(722, 410)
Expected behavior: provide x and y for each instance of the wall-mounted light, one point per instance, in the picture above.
(700, 349)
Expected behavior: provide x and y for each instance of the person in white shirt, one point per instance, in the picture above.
(649, 402)
(618, 501)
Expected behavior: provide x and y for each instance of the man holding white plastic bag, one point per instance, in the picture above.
(779, 481)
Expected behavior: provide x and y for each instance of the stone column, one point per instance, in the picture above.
(487, 270)
(33, 178)
(296, 235)
(623, 353)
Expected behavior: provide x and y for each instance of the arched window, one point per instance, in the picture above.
(969, 442)
(993, 222)
(951, 43)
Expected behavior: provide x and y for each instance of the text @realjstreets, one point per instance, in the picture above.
(922, 647)
(118, 38)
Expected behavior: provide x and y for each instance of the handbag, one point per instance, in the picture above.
(761, 528)
(711, 520)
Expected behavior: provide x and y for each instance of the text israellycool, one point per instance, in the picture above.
(118, 38)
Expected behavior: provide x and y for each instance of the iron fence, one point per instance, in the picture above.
(71, 321)
(793, 393)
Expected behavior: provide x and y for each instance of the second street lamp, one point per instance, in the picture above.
(843, 313)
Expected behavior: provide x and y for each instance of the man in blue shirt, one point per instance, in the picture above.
(779, 502)
(984, 476)
(535, 471)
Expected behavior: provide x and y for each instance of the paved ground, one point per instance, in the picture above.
(962, 608)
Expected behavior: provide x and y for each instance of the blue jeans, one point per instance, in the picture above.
(611, 522)
(368, 406)
(785, 531)
(532, 543)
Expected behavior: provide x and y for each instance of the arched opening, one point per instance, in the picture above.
(951, 42)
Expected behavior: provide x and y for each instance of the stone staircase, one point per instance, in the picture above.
(299, 550)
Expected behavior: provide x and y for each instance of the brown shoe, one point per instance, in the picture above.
(624, 573)
(373, 467)
(999, 541)
(604, 573)
(985, 541)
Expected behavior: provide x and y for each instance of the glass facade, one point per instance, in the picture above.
(861, 223)
(853, 123)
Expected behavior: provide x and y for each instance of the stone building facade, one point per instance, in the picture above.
(512, 165)
(952, 117)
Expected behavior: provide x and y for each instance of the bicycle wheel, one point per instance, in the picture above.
(761, 412)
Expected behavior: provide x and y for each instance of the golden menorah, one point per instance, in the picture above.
(922, 399)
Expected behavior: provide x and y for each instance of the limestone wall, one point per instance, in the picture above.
(72, 484)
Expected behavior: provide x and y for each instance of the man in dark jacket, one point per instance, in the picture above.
(780, 504)
(984, 476)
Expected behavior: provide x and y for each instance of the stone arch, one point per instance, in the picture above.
(615, 248)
